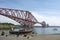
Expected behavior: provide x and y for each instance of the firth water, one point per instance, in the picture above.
(40, 30)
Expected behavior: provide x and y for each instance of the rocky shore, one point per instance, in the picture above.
(30, 37)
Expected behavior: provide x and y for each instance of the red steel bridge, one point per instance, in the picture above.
(21, 16)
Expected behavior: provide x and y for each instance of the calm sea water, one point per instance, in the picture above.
(47, 30)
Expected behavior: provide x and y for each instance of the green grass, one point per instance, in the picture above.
(6, 25)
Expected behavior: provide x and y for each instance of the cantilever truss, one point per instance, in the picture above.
(21, 16)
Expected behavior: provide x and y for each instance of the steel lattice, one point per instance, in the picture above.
(21, 16)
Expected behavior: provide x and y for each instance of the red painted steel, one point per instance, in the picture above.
(21, 16)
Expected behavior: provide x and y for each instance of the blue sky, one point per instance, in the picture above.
(43, 10)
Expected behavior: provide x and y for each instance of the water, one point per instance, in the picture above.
(47, 30)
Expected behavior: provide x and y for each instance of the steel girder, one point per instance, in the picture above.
(21, 16)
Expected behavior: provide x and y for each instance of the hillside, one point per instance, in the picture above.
(6, 25)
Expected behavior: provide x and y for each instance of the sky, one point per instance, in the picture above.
(43, 10)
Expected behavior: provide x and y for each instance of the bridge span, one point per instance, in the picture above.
(21, 16)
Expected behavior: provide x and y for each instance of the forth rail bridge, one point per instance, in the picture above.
(25, 18)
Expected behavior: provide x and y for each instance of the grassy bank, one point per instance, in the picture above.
(7, 26)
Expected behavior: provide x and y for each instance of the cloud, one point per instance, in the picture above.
(4, 19)
(51, 20)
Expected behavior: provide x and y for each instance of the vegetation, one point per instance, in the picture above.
(6, 25)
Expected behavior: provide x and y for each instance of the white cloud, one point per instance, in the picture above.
(51, 20)
(4, 19)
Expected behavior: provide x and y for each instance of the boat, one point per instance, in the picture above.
(20, 31)
(55, 29)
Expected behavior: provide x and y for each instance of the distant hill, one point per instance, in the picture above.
(6, 25)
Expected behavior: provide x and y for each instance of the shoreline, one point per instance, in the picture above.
(31, 37)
